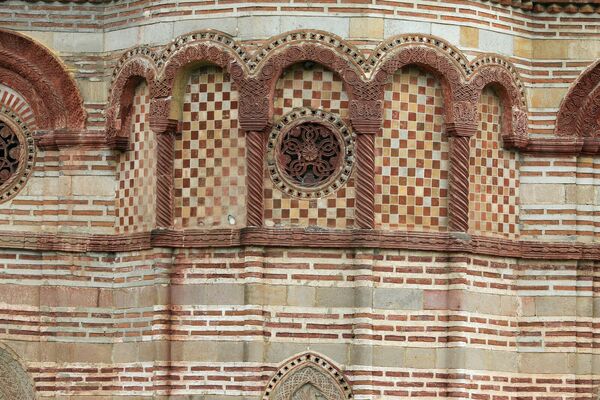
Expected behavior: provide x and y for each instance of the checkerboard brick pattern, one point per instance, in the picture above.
(136, 192)
(411, 161)
(318, 88)
(210, 166)
(315, 87)
(494, 178)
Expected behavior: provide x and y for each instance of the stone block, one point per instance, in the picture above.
(542, 193)
(157, 33)
(420, 358)
(222, 294)
(258, 27)
(19, 294)
(555, 306)
(93, 185)
(495, 42)
(336, 25)
(469, 37)
(550, 49)
(366, 28)
(544, 363)
(78, 42)
(226, 25)
(523, 47)
(388, 356)
(301, 296)
(65, 296)
(392, 27)
(450, 33)
(274, 295)
(398, 299)
(547, 97)
(335, 297)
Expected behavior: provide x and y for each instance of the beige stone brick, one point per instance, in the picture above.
(544, 363)
(301, 296)
(365, 27)
(523, 47)
(93, 185)
(420, 358)
(559, 306)
(266, 294)
(542, 194)
(469, 37)
(550, 49)
(94, 92)
(207, 294)
(546, 97)
(65, 296)
(398, 299)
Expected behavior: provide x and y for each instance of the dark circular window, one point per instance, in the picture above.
(17, 154)
(310, 153)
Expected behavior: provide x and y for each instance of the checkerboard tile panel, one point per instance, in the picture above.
(333, 211)
(316, 88)
(494, 178)
(210, 155)
(136, 193)
(411, 155)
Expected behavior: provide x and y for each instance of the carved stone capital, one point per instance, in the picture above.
(159, 115)
(366, 116)
(464, 119)
(520, 125)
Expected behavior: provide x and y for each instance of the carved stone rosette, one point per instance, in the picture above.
(310, 153)
(308, 377)
(17, 154)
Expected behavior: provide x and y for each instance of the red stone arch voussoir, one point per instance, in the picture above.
(328, 50)
(51, 91)
(493, 70)
(196, 48)
(577, 104)
(135, 67)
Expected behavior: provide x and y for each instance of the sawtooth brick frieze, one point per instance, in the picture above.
(299, 200)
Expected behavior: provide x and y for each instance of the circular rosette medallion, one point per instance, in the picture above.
(17, 154)
(310, 153)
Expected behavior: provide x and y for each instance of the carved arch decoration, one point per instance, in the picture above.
(134, 67)
(494, 70)
(579, 113)
(15, 382)
(32, 70)
(308, 376)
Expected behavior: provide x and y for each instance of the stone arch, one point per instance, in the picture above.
(430, 53)
(15, 382)
(134, 67)
(294, 47)
(578, 103)
(43, 80)
(186, 53)
(308, 376)
(495, 71)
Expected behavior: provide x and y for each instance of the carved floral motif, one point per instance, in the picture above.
(310, 154)
(17, 154)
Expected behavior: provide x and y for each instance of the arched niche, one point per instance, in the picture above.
(308, 376)
(210, 151)
(412, 154)
(15, 382)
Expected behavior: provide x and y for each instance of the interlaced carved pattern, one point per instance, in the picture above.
(384, 49)
(310, 153)
(142, 51)
(308, 376)
(17, 154)
(491, 59)
(15, 384)
(320, 37)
